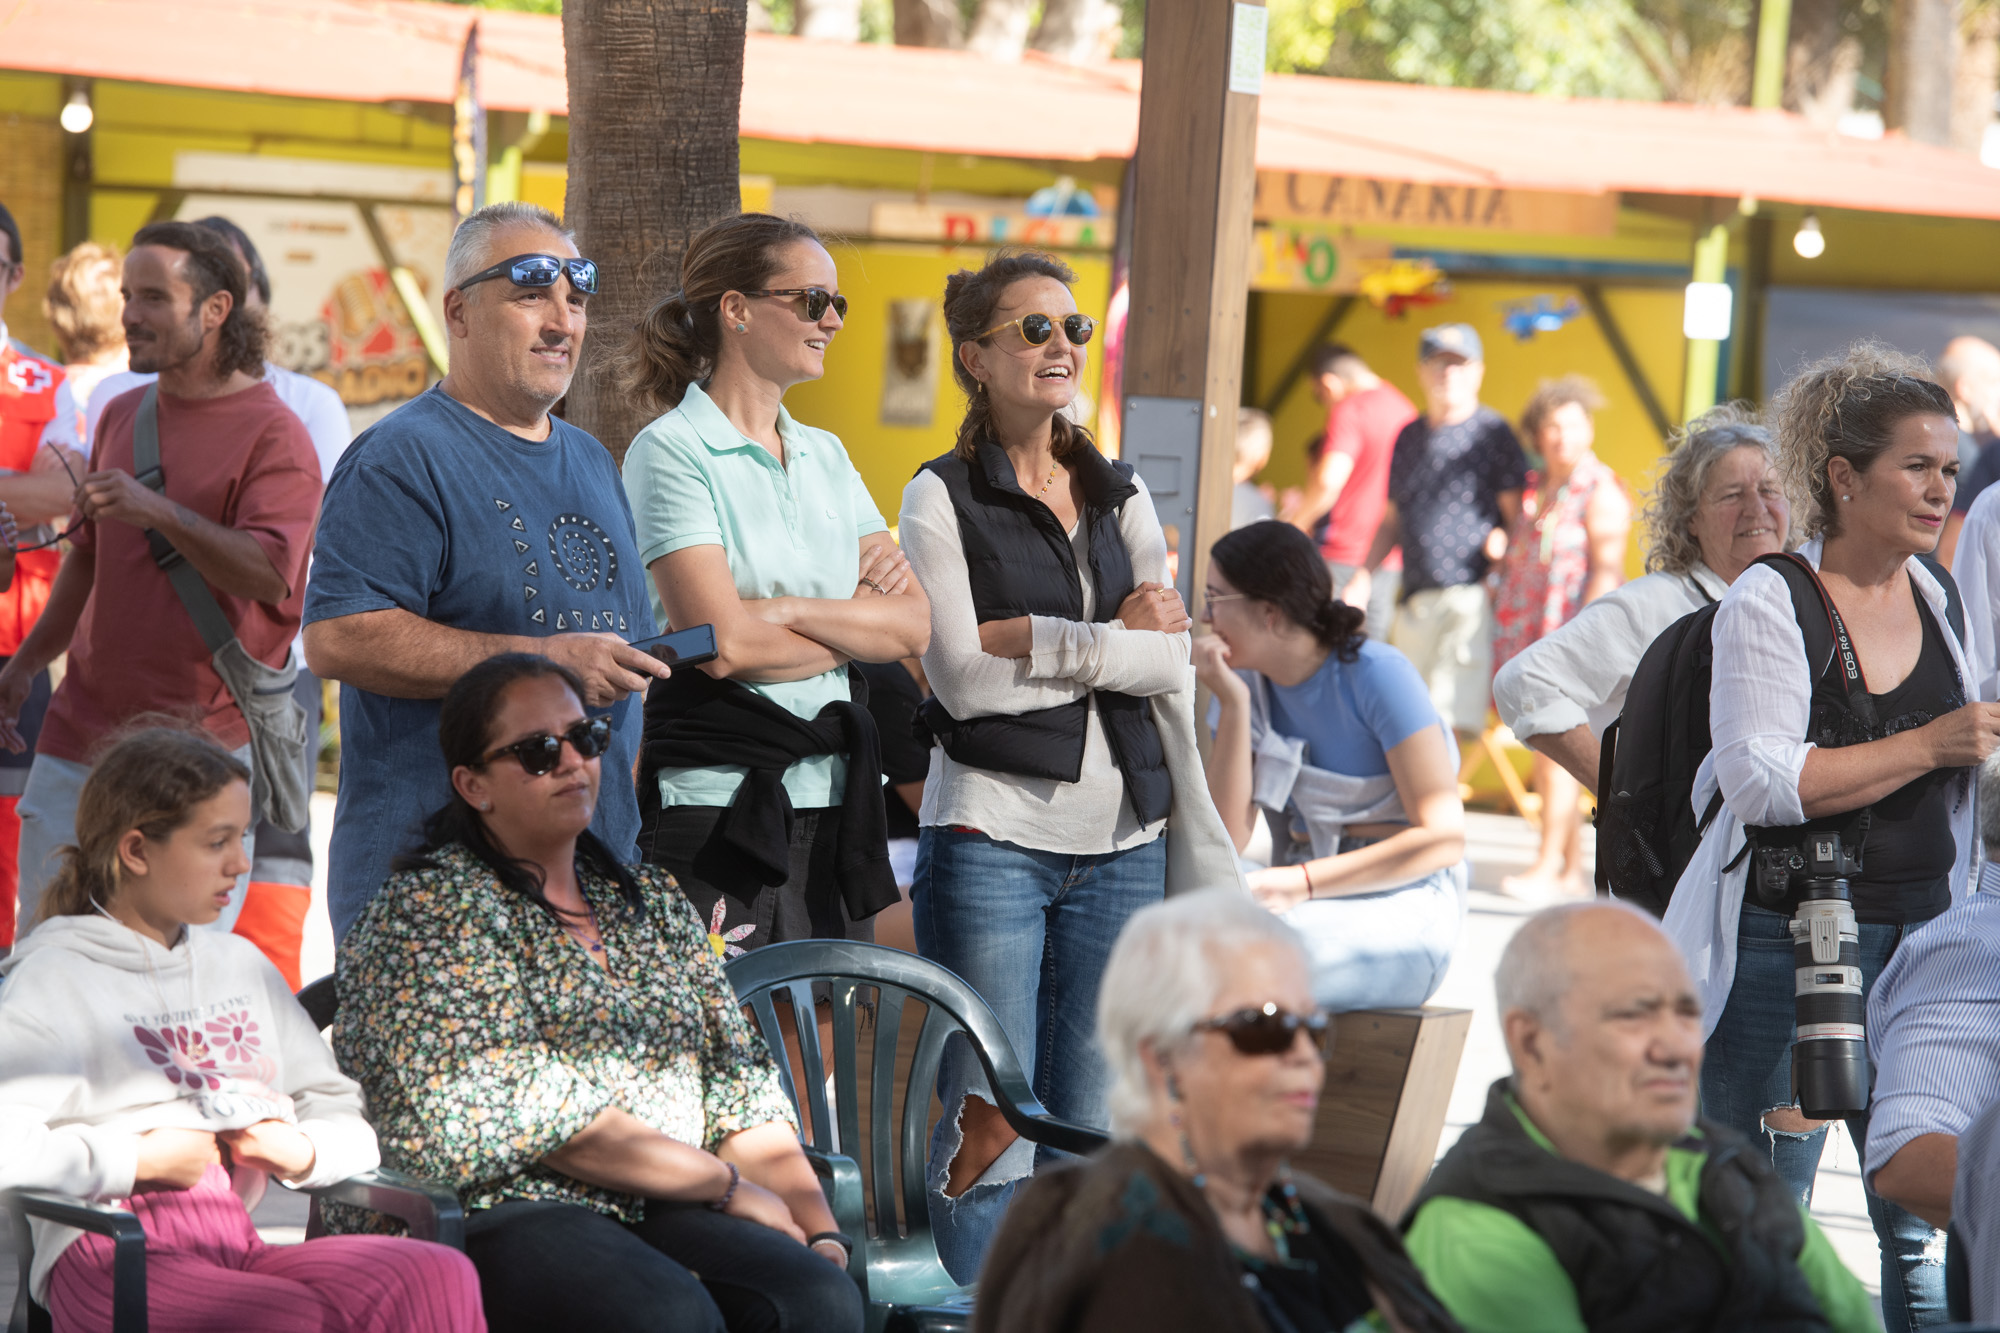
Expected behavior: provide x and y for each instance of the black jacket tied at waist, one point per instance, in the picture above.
(696, 721)
(1020, 562)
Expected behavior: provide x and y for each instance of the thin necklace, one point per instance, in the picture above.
(1050, 482)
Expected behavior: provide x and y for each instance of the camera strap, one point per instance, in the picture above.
(1859, 702)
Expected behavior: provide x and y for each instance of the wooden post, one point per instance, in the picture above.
(1193, 181)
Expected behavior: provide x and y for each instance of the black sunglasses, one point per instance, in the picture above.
(1038, 329)
(817, 300)
(541, 271)
(540, 754)
(1269, 1030)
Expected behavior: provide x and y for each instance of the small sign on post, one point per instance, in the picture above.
(1249, 30)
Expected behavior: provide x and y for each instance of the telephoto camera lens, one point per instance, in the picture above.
(1830, 1055)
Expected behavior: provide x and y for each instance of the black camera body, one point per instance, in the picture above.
(1830, 1046)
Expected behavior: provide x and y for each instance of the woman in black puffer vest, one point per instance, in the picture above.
(1063, 714)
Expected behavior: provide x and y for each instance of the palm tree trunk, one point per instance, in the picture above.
(655, 87)
(1917, 83)
(1076, 30)
(1000, 29)
(929, 23)
(1976, 75)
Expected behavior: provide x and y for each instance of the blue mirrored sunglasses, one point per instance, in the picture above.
(540, 271)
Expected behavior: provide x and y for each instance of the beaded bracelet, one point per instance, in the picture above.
(735, 1179)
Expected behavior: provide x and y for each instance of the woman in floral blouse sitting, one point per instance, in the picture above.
(551, 1032)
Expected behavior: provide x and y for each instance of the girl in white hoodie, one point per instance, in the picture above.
(170, 1070)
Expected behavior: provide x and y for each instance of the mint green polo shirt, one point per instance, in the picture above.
(791, 530)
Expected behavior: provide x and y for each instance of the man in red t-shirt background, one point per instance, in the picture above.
(242, 492)
(1342, 501)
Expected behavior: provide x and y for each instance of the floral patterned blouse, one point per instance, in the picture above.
(486, 1038)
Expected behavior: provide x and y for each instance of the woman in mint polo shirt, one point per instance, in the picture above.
(760, 780)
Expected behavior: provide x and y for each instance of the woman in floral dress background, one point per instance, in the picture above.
(1566, 548)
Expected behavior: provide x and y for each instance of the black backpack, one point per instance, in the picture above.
(1647, 829)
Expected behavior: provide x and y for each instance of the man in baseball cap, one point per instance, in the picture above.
(1454, 487)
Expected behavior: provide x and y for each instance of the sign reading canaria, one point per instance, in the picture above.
(1362, 201)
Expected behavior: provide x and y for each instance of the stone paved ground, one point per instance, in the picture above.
(1500, 845)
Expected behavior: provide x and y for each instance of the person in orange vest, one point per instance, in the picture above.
(36, 484)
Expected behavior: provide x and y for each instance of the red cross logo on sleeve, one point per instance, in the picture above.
(30, 377)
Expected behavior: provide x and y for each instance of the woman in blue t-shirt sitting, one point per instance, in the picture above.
(1336, 738)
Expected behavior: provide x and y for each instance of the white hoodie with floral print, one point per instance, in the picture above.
(104, 1035)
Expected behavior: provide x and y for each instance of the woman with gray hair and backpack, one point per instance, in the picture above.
(1842, 745)
(1718, 505)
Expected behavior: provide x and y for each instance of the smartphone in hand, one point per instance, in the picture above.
(683, 648)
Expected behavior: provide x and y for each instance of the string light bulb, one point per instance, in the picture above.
(77, 114)
(1809, 240)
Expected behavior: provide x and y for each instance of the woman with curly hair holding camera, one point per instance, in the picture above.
(1874, 746)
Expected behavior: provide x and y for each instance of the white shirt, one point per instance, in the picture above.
(1934, 1026)
(316, 404)
(1976, 567)
(1577, 675)
(1759, 706)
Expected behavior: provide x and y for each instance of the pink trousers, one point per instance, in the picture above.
(208, 1272)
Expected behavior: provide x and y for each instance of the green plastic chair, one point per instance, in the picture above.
(897, 1267)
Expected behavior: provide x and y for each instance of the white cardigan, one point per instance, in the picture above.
(1068, 659)
(1577, 675)
(1976, 567)
(1760, 704)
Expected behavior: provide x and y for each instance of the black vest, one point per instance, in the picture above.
(1019, 562)
(1638, 1264)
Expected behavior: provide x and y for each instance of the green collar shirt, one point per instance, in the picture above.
(789, 530)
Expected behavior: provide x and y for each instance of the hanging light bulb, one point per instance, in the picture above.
(76, 113)
(1809, 241)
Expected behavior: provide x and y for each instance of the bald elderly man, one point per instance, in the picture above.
(1588, 1196)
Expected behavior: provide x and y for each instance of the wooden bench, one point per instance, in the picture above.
(1389, 1075)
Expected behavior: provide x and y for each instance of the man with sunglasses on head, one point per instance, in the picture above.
(470, 522)
(1589, 1196)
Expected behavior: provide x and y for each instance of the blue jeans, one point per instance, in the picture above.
(1747, 1071)
(1030, 931)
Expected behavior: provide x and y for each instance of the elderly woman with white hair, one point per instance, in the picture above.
(1719, 504)
(1191, 1220)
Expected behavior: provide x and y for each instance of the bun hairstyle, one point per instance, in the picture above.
(151, 780)
(970, 300)
(674, 344)
(465, 736)
(1847, 407)
(1274, 562)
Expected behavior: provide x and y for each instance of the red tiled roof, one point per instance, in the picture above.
(949, 101)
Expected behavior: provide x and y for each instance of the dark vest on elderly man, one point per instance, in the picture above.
(1638, 1263)
(1019, 562)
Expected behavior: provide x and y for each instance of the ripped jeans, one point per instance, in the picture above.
(1030, 931)
(1747, 1070)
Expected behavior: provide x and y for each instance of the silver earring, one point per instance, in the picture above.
(1847, 497)
(486, 805)
(741, 327)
